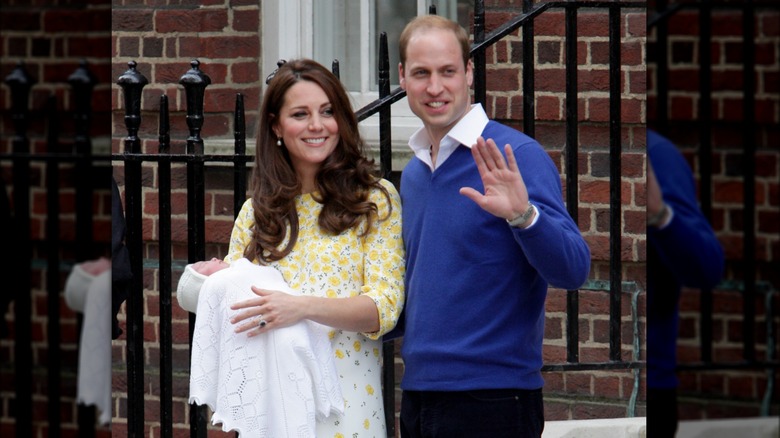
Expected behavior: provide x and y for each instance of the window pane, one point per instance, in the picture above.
(337, 36)
(389, 16)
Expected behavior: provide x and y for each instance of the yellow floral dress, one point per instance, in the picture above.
(343, 266)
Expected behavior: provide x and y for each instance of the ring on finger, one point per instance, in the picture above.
(259, 321)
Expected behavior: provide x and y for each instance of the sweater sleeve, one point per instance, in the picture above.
(554, 245)
(384, 262)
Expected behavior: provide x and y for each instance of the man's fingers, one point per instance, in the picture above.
(510, 158)
(471, 194)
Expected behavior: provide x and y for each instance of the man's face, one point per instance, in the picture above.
(436, 81)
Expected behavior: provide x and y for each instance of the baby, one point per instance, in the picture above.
(276, 384)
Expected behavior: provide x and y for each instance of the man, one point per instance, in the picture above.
(682, 251)
(484, 234)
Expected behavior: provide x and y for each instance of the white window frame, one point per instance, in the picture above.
(288, 32)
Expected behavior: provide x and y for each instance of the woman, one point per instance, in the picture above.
(321, 217)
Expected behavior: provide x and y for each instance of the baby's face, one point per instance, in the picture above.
(209, 267)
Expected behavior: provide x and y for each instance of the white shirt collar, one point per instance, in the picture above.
(465, 132)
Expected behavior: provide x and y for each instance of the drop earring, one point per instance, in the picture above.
(278, 142)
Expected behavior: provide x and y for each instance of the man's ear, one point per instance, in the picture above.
(401, 76)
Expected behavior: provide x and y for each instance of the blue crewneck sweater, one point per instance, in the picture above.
(474, 316)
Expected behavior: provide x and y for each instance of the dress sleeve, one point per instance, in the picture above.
(384, 261)
(242, 232)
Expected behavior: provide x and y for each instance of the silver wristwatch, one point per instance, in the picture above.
(523, 218)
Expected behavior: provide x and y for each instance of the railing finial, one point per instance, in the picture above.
(132, 83)
(195, 83)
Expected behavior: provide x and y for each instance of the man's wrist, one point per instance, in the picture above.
(524, 218)
(658, 219)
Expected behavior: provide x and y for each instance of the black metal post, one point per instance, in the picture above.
(749, 166)
(662, 71)
(615, 203)
(82, 82)
(480, 73)
(705, 161)
(54, 392)
(195, 83)
(572, 174)
(529, 111)
(20, 82)
(385, 132)
(132, 83)
(239, 166)
(165, 287)
(335, 68)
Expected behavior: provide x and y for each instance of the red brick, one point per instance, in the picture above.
(201, 20)
(552, 80)
(507, 79)
(592, 24)
(245, 72)
(551, 23)
(548, 108)
(594, 192)
(593, 80)
(246, 20)
(131, 20)
(598, 109)
(232, 47)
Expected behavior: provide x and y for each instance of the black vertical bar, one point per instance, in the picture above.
(83, 81)
(164, 220)
(195, 83)
(432, 9)
(385, 159)
(132, 84)
(385, 140)
(749, 167)
(615, 149)
(239, 176)
(53, 273)
(480, 74)
(572, 167)
(662, 71)
(529, 111)
(20, 83)
(705, 160)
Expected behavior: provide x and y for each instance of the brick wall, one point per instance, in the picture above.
(727, 393)
(51, 39)
(164, 40)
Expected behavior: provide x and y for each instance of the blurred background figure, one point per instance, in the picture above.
(712, 76)
(682, 251)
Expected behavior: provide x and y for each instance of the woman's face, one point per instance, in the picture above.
(308, 128)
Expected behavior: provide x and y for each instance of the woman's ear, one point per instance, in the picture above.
(274, 125)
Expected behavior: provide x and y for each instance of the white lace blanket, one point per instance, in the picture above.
(277, 384)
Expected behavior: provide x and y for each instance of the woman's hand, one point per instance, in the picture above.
(271, 309)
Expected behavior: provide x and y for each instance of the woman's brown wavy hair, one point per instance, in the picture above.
(343, 182)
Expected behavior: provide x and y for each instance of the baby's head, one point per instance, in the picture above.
(192, 280)
(208, 267)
